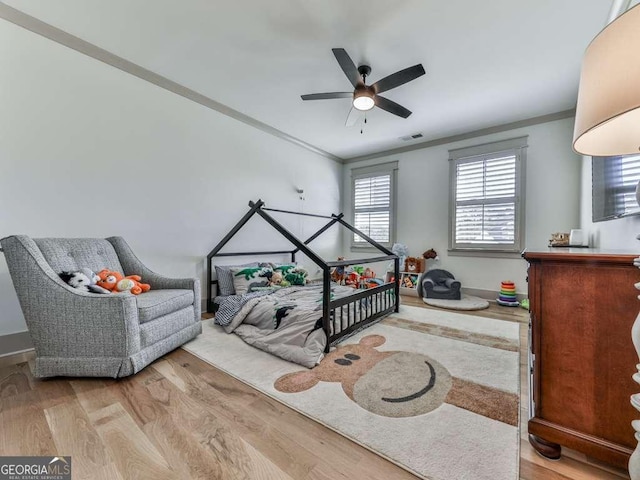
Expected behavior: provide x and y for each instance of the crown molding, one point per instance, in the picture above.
(57, 35)
(465, 136)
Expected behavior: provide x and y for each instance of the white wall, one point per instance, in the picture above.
(89, 151)
(617, 234)
(552, 201)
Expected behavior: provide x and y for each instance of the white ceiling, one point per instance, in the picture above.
(488, 63)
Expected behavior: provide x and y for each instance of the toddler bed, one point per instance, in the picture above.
(298, 323)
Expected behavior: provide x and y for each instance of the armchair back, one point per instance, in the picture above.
(72, 254)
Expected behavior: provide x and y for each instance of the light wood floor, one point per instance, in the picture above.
(181, 418)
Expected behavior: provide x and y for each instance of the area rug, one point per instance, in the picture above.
(435, 392)
(467, 302)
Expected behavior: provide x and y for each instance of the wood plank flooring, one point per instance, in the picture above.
(181, 418)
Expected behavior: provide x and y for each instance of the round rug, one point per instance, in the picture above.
(467, 302)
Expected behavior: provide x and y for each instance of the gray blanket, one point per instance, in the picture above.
(286, 322)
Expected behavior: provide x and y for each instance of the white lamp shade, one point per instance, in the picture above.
(608, 111)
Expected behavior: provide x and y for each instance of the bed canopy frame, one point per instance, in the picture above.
(344, 316)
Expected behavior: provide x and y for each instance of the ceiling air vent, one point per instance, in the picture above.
(411, 137)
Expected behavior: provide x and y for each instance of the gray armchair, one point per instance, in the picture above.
(439, 284)
(86, 334)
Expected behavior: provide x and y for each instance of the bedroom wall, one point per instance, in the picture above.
(552, 201)
(87, 150)
(617, 234)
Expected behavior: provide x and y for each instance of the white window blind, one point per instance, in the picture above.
(614, 186)
(373, 203)
(372, 207)
(485, 201)
(486, 205)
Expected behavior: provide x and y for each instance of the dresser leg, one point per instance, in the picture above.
(547, 449)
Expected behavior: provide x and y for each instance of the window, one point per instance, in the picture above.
(374, 203)
(614, 186)
(487, 197)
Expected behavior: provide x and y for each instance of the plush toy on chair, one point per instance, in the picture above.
(439, 284)
(116, 282)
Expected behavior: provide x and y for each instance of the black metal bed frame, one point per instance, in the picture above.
(359, 309)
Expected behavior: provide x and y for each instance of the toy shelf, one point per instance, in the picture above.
(408, 282)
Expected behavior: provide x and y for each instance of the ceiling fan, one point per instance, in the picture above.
(365, 97)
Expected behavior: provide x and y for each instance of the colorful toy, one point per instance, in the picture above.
(338, 273)
(507, 296)
(353, 279)
(115, 282)
(373, 282)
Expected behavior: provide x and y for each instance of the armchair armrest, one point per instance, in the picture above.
(424, 283)
(133, 266)
(65, 322)
(452, 284)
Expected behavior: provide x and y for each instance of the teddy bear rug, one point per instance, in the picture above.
(435, 392)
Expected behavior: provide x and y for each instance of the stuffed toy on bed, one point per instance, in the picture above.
(297, 276)
(116, 282)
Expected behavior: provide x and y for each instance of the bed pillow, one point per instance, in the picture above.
(245, 279)
(225, 277)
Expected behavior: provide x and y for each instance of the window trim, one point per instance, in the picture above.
(390, 168)
(516, 146)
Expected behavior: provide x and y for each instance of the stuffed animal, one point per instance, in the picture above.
(430, 254)
(368, 273)
(84, 280)
(353, 279)
(338, 274)
(297, 276)
(276, 279)
(116, 282)
(413, 265)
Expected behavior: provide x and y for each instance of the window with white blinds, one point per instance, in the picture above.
(614, 186)
(373, 203)
(485, 206)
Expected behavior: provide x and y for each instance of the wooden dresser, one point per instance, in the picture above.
(583, 304)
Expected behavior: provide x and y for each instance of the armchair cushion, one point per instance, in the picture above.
(156, 303)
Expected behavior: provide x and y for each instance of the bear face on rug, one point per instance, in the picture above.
(399, 384)
(369, 378)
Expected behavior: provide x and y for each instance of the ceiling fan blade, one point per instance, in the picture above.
(391, 107)
(354, 118)
(347, 65)
(399, 78)
(326, 96)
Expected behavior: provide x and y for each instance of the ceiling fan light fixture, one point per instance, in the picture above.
(363, 100)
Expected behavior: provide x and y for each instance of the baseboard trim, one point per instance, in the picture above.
(15, 343)
(17, 358)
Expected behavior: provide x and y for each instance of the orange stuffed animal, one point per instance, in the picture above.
(115, 282)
